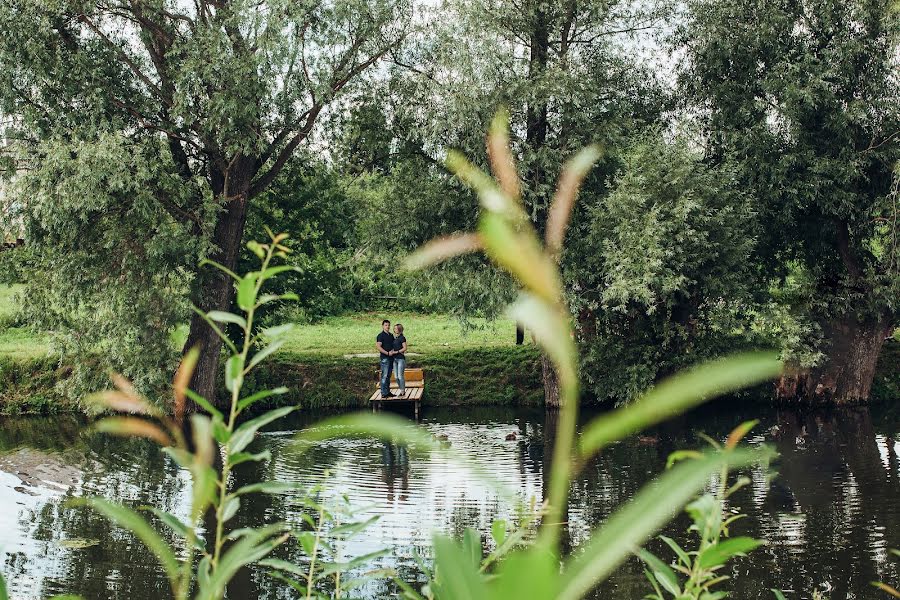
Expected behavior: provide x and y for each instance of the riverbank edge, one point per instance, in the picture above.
(476, 377)
(484, 377)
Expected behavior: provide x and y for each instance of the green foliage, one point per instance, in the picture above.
(661, 268)
(143, 128)
(310, 200)
(711, 521)
(801, 100)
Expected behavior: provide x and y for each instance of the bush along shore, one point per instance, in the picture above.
(492, 376)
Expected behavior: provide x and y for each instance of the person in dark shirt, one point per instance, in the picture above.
(400, 357)
(384, 343)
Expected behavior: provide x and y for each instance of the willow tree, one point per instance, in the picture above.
(561, 69)
(151, 126)
(803, 99)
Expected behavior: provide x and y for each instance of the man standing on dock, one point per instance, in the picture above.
(385, 345)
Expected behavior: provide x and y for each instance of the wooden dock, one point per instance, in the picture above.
(415, 386)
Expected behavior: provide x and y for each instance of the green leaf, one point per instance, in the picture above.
(242, 457)
(273, 333)
(256, 248)
(498, 531)
(343, 567)
(350, 529)
(520, 253)
(266, 298)
(456, 576)
(220, 431)
(682, 555)
(471, 546)
(719, 553)
(680, 455)
(778, 594)
(133, 522)
(307, 542)
(220, 316)
(234, 372)
(204, 491)
(230, 508)
(204, 403)
(633, 524)
(526, 574)
(253, 546)
(221, 267)
(262, 354)
(273, 271)
(283, 565)
(249, 400)
(243, 435)
(4, 594)
(679, 393)
(246, 291)
(212, 325)
(270, 487)
(662, 572)
(170, 520)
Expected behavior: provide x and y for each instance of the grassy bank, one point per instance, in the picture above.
(479, 364)
(495, 376)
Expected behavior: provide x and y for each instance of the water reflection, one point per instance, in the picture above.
(830, 515)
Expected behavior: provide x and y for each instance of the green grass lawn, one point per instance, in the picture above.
(426, 334)
(17, 342)
(334, 336)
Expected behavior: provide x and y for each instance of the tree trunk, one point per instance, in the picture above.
(845, 377)
(536, 128)
(216, 288)
(551, 383)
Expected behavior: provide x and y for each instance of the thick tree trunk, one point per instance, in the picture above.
(536, 128)
(551, 383)
(216, 288)
(845, 376)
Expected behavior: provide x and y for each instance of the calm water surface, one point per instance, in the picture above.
(830, 516)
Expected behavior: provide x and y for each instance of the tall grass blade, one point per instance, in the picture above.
(631, 526)
(678, 394)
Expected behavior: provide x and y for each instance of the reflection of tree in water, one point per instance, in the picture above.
(832, 467)
(830, 515)
(134, 472)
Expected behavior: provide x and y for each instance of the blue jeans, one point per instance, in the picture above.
(386, 364)
(399, 366)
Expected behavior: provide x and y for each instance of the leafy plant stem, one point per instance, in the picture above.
(314, 553)
(233, 414)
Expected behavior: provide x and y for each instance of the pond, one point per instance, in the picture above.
(830, 515)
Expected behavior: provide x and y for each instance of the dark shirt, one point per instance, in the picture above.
(387, 342)
(398, 346)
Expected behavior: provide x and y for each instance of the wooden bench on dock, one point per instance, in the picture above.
(415, 385)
